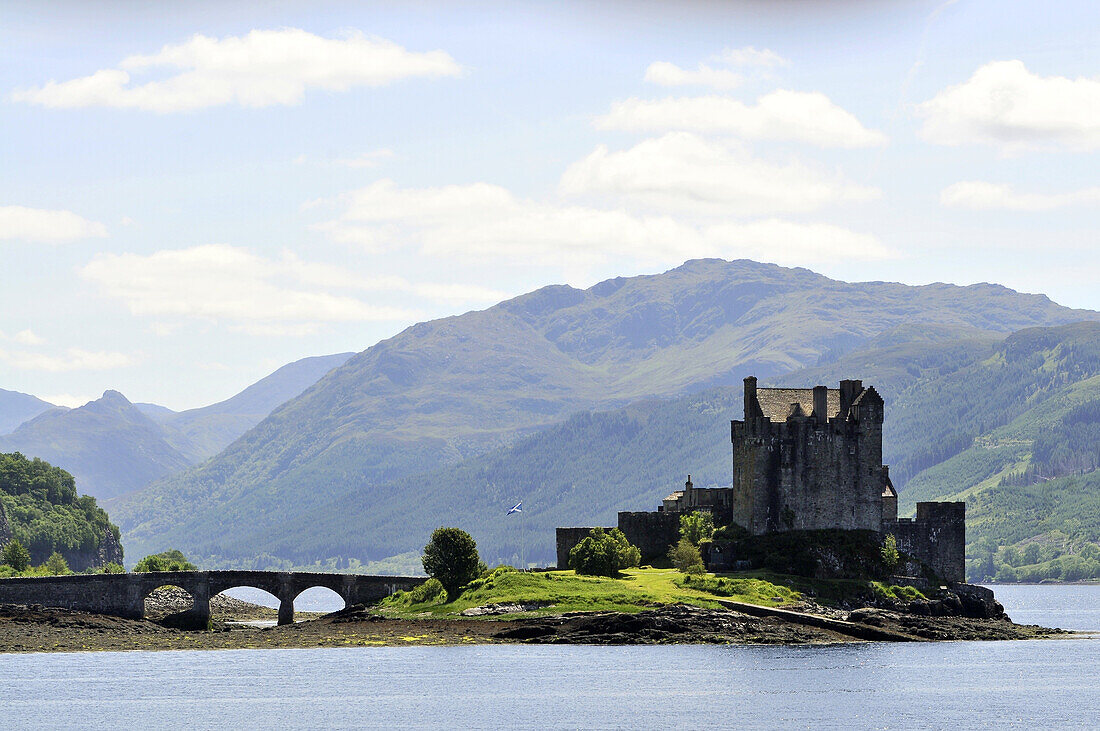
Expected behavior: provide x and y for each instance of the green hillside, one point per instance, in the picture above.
(40, 507)
(423, 427)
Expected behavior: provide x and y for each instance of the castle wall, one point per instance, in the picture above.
(936, 536)
(567, 539)
(652, 533)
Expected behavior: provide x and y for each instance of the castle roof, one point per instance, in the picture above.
(776, 402)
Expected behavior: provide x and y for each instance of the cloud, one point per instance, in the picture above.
(27, 337)
(749, 56)
(779, 115)
(982, 196)
(46, 226)
(67, 400)
(261, 69)
(684, 172)
(74, 359)
(1005, 105)
(487, 222)
(665, 73)
(669, 74)
(285, 296)
(370, 159)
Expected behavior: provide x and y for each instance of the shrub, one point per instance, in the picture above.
(17, 556)
(685, 557)
(890, 551)
(696, 527)
(111, 568)
(56, 565)
(430, 591)
(172, 560)
(451, 557)
(604, 553)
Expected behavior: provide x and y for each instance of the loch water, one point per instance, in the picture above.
(1023, 684)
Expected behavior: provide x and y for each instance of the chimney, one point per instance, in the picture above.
(821, 404)
(752, 406)
(849, 391)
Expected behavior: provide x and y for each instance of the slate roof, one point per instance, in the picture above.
(776, 402)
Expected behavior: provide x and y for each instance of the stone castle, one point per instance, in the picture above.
(805, 459)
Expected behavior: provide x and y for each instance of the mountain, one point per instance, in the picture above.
(409, 409)
(113, 447)
(15, 408)
(108, 445)
(201, 433)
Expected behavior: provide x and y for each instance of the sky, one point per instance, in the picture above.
(192, 195)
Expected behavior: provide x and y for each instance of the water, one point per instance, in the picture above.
(1040, 683)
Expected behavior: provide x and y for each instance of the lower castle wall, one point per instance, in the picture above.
(567, 538)
(652, 533)
(937, 536)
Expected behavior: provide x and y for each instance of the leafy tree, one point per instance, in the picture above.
(1031, 553)
(604, 553)
(685, 557)
(172, 560)
(56, 564)
(17, 556)
(889, 551)
(697, 527)
(451, 557)
(111, 568)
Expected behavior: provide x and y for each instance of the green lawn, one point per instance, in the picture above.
(636, 590)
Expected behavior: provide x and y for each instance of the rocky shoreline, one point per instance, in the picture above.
(38, 629)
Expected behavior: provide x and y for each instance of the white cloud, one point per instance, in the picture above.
(779, 115)
(980, 195)
(46, 226)
(684, 172)
(1006, 105)
(263, 68)
(67, 400)
(74, 359)
(486, 222)
(749, 56)
(664, 73)
(285, 296)
(27, 337)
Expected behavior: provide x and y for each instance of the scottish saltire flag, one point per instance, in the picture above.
(517, 509)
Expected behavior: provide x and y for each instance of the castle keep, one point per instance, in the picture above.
(809, 458)
(805, 459)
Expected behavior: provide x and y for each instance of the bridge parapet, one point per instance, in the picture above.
(123, 595)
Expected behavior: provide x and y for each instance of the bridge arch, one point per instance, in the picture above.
(320, 598)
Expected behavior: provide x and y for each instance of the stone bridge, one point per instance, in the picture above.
(123, 595)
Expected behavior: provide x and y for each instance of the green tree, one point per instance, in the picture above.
(451, 557)
(172, 560)
(1031, 554)
(111, 568)
(17, 556)
(685, 557)
(697, 527)
(889, 551)
(604, 553)
(56, 564)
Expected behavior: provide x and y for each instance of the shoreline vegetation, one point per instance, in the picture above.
(641, 606)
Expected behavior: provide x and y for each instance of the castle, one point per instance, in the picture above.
(805, 459)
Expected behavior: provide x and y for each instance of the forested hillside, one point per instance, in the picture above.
(45, 514)
(405, 432)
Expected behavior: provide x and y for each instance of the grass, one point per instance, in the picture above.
(635, 590)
